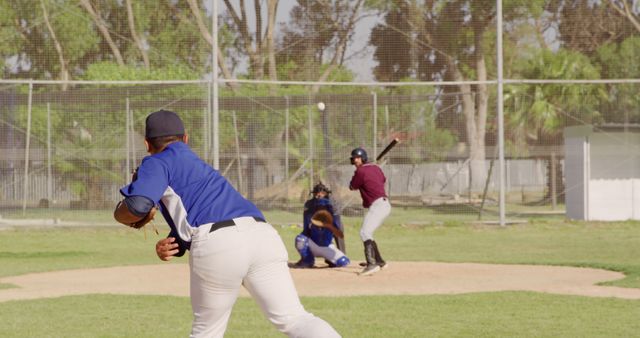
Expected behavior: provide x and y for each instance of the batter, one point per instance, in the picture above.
(369, 180)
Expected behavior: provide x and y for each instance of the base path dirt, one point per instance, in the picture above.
(400, 278)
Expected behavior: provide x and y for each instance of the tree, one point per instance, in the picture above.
(620, 60)
(450, 40)
(538, 113)
(254, 42)
(585, 25)
(134, 34)
(316, 39)
(96, 16)
(195, 10)
(53, 38)
(628, 9)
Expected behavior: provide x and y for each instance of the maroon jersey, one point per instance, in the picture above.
(369, 179)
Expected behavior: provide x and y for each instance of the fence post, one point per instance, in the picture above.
(208, 117)
(311, 178)
(238, 159)
(132, 133)
(554, 199)
(49, 177)
(375, 123)
(499, 65)
(214, 84)
(26, 152)
(128, 140)
(286, 148)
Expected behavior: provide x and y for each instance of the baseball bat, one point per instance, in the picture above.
(388, 148)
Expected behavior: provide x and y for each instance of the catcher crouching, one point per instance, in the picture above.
(321, 225)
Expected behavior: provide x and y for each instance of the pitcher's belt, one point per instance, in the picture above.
(230, 222)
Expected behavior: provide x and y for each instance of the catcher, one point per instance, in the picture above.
(320, 225)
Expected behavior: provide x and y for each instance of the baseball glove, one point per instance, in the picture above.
(146, 219)
(322, 218)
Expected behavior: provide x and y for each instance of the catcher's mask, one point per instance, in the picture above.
(359, 152)
(320, 187)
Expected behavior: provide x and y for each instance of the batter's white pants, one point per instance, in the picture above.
(378, 212)
(252, 254)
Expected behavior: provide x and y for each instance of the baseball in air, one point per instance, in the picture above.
(321, 106)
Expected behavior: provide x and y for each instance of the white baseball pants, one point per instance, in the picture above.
(252, 254)
(378, 212)
(330, 252)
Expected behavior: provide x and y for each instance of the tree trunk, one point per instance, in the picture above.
(254, 53)
(135, 36)
(102, 27)
(271, 50)
(627, 12)
(341, 46)
(478, 157)
(64, 69)
(474, 138)
(193, 4)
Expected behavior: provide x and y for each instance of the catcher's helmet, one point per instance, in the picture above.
(320, 187)
(359, 152)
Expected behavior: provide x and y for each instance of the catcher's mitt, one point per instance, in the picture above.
(322, 218)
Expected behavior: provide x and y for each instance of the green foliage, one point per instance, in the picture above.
(621, 60)
(73, 29)
(547, 108)
(109, 71)
(9, 36)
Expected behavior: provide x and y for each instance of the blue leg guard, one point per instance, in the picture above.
(342, 261)
(302, 245)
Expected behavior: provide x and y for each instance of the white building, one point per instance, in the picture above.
(602, 172)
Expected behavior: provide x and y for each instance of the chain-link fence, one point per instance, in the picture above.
(73, 149)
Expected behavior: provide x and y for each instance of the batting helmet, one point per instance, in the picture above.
(359, 152)
(320, 187)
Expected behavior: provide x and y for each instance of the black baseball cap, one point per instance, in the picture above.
(163, 123)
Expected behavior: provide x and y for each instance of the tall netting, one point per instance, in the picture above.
(79, 78)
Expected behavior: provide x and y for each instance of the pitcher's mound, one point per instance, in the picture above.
(400, 278)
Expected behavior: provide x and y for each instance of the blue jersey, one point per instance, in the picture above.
(320, 236)
(189, 191)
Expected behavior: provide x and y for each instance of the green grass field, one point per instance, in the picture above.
(614, 246)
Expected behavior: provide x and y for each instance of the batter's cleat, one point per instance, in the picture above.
(301, 265)
(370, 270)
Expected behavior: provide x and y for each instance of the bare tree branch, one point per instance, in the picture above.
(64, 71)
(193, 4)
(254, 51)
(626, 12)
(341, 45)
(135, 36)
(270, 40)
(102, 27)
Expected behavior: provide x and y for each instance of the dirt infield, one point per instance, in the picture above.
(401, 278)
